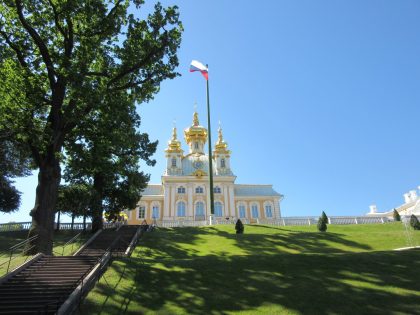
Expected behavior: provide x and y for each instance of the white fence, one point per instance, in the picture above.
(25, 226)
(285, 221)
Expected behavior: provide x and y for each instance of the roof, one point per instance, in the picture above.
(255, 190)
(152, 190)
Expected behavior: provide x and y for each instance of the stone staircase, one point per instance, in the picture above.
(46, 283)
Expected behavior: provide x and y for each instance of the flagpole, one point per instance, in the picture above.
(210, 154)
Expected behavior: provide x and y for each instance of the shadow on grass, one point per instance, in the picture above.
(320, 281)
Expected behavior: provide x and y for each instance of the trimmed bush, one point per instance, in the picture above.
(414, 222)
(396, 215)
(324, 217)
(322, 226)
(239, 227)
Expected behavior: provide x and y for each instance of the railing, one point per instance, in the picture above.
(20, 247)
(15, 226)
(25, 226)
(71, 242)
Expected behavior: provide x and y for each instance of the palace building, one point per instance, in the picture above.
(183, 193)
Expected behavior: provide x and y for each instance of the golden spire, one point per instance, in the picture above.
(195, 119)
(221, 145)
(174, 145)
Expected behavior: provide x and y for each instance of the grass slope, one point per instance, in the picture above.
(268, 270)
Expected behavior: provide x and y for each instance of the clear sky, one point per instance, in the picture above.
(319, 98)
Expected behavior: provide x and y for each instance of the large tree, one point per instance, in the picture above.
(105, 152)
(59, 59)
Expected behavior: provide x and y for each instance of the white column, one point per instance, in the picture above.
(231, 200)
(190, 210)
(172, 201)
(226, 200)
(166, 202)
(277, 213)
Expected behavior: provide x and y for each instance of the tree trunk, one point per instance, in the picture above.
(97, 221)
(84, 221)
(43, 212)
(72, 222)
(57, 228)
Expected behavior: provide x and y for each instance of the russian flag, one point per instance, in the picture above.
(198, 66)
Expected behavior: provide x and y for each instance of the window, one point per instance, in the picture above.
(173, 162)
(155, 212)
(196, 145)
(199, 190)
(268, 211)
(254, 211)
(142, 212)
(218, 209)
(242, 211)
(181, 190)
(217, 190)
(199, 208)
(222, 163)
(180, 211)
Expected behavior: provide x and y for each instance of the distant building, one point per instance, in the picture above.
(183, 193)
(410, 206)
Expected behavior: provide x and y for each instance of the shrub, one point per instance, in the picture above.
(324, 217)
(396, 215)
(414, 222)
(322, 226)
(239, 227)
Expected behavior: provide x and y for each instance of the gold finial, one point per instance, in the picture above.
(195, 119)
(220, 134)
(195, 106)
(174, 134)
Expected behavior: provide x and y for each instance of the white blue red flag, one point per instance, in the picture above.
(198, 66)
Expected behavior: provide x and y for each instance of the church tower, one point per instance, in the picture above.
(196, 136)
(174, 155)
(221, 156)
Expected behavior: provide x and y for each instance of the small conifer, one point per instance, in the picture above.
(239, 227)
(322, 226)
(414, 222)
(324, 217)
(396, 215)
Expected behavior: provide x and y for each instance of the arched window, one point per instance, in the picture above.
(173, 162)
(268, 211)
(218, 209)
(142, 212)
(199, 190)
(199, 208)
(196, 145)
(242, 211)
(180, 211)
(217, 190)
(155, 212)
(254, 211)
(222, 163)
(181, 190)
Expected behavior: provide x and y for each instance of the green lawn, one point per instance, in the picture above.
(9, 239)
(268, 270)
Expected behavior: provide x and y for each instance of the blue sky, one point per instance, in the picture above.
(319, 98)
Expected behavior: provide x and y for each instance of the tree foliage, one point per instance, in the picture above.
(322, 226)
(324, 217)
(396, 215)
(14, 162)
(414, 222)
(239, 227)
(59, 59)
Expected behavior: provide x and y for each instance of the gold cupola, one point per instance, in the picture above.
(196, 136)
(221, 146)
(174, 145)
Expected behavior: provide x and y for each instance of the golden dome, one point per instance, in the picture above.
(195, 132)
(174, 145)
(221, 145)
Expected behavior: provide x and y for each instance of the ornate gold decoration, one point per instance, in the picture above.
(195, 132)
(199, 173)
(174, 145)
(221, 145)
